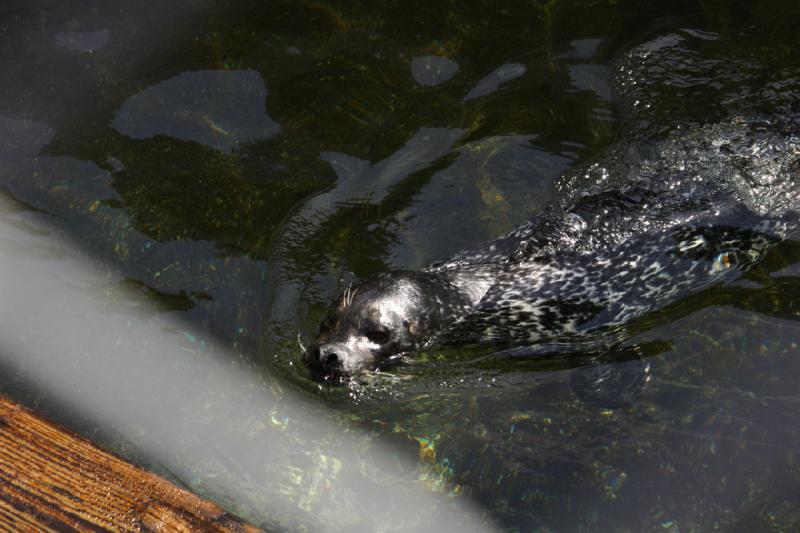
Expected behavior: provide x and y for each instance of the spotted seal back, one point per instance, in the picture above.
(646, 227)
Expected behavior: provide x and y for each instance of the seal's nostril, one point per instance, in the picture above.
(328, 359)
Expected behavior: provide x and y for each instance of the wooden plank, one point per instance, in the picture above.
(53, 480)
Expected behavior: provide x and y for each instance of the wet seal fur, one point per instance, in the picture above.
(649, 226)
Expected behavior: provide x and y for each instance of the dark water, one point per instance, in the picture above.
(239, 163)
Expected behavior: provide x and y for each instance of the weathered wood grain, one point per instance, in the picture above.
(52, 480)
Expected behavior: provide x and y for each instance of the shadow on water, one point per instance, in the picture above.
(232, 165)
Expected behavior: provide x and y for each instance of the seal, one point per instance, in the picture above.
(645, 227)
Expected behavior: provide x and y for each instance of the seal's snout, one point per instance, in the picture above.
(332, 360)
(324, 361)
(326, 357)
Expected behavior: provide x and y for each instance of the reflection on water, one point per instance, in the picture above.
(232, 166)
(511, 177)
(87, 41)
(76, 184)
(220, 109)
(494, 80)
(433, 70)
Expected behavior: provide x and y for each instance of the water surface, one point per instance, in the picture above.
(235, 164)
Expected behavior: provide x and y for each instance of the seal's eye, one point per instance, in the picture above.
(378, 336)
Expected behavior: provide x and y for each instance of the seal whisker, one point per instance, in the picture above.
(345, 296)
(348, 295)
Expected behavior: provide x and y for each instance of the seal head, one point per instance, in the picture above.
(382, 319)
